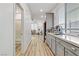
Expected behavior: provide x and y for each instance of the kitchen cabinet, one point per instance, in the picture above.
(59, 49)
(69, 53)
(70, 47)
(48, 40)
(65, 49)
(53, 44)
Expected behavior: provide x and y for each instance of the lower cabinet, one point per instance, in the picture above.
(59, 49)
(69, 53)
(48, 40)
(53, 45)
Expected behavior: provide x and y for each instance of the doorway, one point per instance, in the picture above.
(18, 30)
(44, 31)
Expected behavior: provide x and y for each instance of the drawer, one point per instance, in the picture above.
(70, 47)
(58, 40)
(69, 53)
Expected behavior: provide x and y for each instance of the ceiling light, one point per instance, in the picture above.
(45, 16)
(41, 16)
(41, 10)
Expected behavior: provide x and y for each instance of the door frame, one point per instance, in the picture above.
(14, 27)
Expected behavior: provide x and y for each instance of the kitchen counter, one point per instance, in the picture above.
(70, 39)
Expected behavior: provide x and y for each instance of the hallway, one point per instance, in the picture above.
(39, 29)
(38, 48)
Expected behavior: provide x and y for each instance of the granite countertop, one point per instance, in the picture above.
(70, 39)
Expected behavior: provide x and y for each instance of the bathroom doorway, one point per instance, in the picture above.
(19, 30)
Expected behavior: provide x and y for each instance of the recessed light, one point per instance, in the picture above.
(45, 16)
(41, 16)
(41, 10)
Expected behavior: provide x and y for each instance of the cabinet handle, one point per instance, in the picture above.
(73, 49)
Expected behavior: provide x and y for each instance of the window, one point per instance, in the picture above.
(72, 19)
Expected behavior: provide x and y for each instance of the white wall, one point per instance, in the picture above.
(7, 26)
(27, 27)
(6, 29)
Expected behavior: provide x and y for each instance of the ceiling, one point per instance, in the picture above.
(36, 7)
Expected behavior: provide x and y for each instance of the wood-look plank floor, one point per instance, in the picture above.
(18, 49)
(38, 48)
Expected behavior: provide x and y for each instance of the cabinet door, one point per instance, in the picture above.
(59, 49)
(69, 53)
(53, 44)
(47, 39)
(50, 41)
